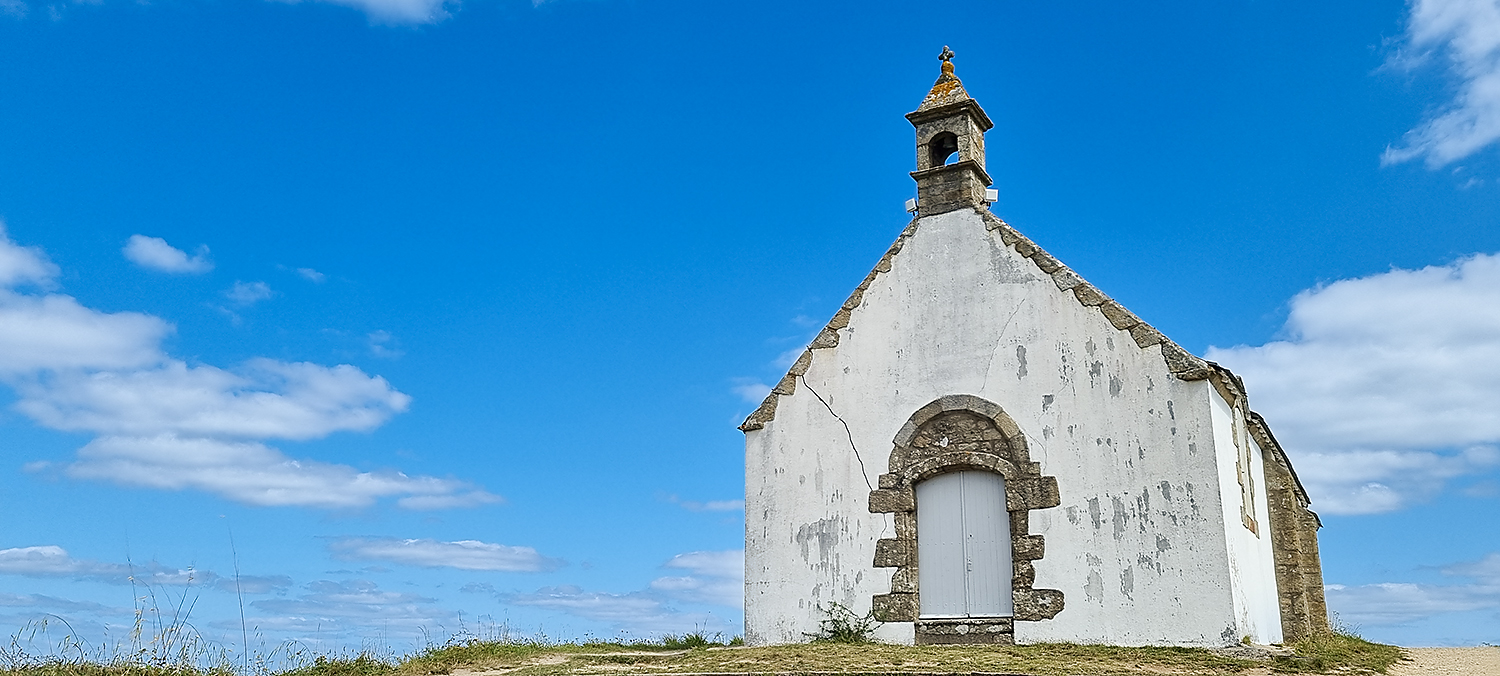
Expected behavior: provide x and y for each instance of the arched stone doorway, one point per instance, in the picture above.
(960, 434)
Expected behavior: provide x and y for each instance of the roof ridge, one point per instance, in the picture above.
(1183, 364)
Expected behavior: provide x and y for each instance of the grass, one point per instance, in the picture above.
(1342, 653)
(1339, 650)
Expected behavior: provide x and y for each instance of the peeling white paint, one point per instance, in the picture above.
(1139, 545)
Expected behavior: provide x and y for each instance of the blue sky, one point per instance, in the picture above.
(430, 317)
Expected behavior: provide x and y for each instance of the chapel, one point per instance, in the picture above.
(982, 447)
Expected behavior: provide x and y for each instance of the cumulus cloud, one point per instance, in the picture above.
(1384, 388)
(312, 275)
(247, 472)
(154, 253)
(1393, 603)
(400, 12)
(245, 294)
(1466, 35)
(54, 561)
(383, 345)
(53, 603)
(714, 578)
(750, 390)
(461, 554)
(356, 607)
(708, 506)
(162, 423)
(262, 399)
(22, 265)
(55, 332)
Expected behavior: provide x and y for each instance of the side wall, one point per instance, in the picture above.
(1294, 534)
(1251, 562)
(1138, 545)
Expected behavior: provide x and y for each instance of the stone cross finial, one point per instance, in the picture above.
(947, 54)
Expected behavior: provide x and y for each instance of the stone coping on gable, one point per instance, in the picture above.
(1179, 361)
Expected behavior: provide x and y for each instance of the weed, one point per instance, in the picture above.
(843, 626)
(1340, 648)
(695, 639)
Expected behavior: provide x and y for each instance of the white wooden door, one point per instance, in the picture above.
(963, 546)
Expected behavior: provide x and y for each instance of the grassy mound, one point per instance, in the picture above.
(698, 654)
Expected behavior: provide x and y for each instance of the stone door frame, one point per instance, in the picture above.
(1000, 448)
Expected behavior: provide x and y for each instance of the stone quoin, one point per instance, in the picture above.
(981, 447)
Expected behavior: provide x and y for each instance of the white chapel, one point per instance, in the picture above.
(982, 447)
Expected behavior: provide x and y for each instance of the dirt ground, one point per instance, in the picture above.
(1482, 661)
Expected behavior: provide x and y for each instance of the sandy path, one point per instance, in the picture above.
(1482, 661)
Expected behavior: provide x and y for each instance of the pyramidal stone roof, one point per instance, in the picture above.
(948, 89)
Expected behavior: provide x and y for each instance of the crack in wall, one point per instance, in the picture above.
(994, 352)
(864, 474)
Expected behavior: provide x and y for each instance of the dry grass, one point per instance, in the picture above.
(1336, 653)
(834, 658)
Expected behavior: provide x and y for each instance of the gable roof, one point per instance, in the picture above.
(1180, 362)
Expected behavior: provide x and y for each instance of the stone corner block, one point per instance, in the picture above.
(1033, 493)
(827, 338)
(1032, 605)
(892, 553)
(1028, 547)
(895, 607)
(888, 500)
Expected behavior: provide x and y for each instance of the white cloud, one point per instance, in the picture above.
(246, 294)
(462, 554)
(54, 603)
(54, 561)
(167, 425)
(1392, 603)
(312, 275)
(154, 253)
(337, 609)
(383, 345)
(716, 578)
(1384, 388)
(262, 399)
(623, 609)
(400, 12)
(54, 332)
(247, 472)
(751, 390)
(15, 8)
(709, 506)
(1467, 34)
(22, 265)
(474, 498)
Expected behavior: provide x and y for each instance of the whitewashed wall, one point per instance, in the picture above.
(1251, 563)
(1138, 545)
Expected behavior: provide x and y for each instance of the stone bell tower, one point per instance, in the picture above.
(950, 126)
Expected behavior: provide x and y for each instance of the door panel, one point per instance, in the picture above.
(963, 546)
(986, 544)
(940, 546)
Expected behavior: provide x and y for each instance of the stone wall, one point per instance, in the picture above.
(1294, 540)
